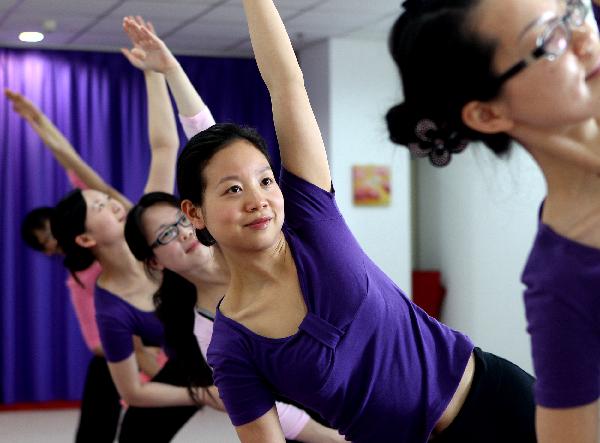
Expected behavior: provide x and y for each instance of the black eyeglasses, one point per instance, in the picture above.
(555, 39)
(171, 232)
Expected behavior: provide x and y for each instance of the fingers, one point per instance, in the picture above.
(132, 29)
(12, 96)
(150, 26)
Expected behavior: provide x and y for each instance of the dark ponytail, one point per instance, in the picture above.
(67, 222)
(175, 302)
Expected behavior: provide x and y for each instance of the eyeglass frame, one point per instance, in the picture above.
(539, 50)
(179, 222)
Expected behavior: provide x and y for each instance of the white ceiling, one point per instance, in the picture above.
(201, 27)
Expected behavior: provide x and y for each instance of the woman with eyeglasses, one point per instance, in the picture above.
(525, 71)
(307, 314)
(89, 226)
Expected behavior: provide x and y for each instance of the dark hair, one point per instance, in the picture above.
(199, 150)
(34, 220)
(175, 302)
(67, 222)
(444, 64)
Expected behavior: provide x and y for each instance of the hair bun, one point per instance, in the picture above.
(401, 124)
(423, 136)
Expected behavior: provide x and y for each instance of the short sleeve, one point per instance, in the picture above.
(116, 338)
(292, 419)
(82, 299)
(203, 329)
(566, 352)
(243, 391)
(197, 123)
(75, 181)
(305, 201)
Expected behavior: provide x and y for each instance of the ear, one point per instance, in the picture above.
(487, 117)
(85, 241)
(155, 265)
(193, 213)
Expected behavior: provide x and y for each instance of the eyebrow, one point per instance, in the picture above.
(544, 18)
(236, 177)
(166, 225)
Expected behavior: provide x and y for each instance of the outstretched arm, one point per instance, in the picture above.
(575, 425)
(300, 142)
(265, 429)
(164, 141)
(150, 52)
(162, 130)
(125, 375)
(60, 147)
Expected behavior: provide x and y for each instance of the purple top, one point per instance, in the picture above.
(374, 365)
(562, 304)
(118, 321)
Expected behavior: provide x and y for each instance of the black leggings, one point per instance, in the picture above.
(157, 425)
(100, 405)
(499, 407)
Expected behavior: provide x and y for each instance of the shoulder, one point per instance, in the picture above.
(561, 266)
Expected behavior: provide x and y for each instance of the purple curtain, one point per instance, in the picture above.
(98, 100)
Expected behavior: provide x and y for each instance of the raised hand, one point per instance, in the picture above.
(24, 107)
(149, 52)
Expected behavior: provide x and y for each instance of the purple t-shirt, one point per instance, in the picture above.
(118, 321)
(562, 303)
(374, 365)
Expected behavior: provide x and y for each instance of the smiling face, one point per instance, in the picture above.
(105, 217)
(546, 94)
(183, 252)
(243, 205)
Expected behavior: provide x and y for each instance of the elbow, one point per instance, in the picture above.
(130, 398)
(134, 397)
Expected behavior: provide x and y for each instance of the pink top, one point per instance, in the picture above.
(83, 302)
(197, 123)
(292, 419)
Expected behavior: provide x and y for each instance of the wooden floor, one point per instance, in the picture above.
(58, 426)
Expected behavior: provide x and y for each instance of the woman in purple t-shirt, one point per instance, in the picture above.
(307, 314)
(88, 226)
(529, 71)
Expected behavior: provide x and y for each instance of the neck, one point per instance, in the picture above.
(118, 263)
(570, 161)
(211, 281)
(252, 271)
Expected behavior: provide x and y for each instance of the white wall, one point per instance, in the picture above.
(351, 84)
(474, 220)
(477, 220)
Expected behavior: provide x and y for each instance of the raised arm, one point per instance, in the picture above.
(60, 147)
(164, 141)
(150, 52)
(300, 142)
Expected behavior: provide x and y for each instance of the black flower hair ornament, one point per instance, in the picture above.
(435, 143)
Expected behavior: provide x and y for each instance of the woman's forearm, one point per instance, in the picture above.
(272, 47)
(189, 102)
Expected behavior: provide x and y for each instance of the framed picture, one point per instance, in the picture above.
(371, 185)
